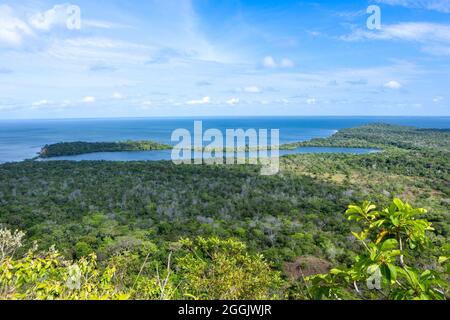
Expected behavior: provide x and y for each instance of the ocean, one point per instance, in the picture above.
(22, 139)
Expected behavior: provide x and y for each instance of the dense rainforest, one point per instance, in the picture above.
(156, 230)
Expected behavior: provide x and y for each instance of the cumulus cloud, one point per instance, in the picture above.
(40, 103)
(233, 101)
(271, 63)
(393, 85)
(204, 100)
(117, 95)
(89, 99)
(438, 99)
(253, 89)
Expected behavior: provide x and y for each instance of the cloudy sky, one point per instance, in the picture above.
(223, 57)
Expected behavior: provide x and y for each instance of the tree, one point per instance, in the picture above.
(389, 237)
(217, 269)
(47, 276)
(10, 242)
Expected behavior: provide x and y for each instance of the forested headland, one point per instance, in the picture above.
(155, 230)
(76, 148)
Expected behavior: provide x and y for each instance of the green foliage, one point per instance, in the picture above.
(215, 269)
(82, 249)
(48, 276)
(75, 148)
(204, 269)
(380, 135)
(382, 266)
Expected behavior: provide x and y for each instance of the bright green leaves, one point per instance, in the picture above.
(392, 271)
(389, 245)
(365, 212)
(47, 276)
(397, 221)
(381, 271)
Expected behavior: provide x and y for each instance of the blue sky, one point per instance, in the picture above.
(223, 57)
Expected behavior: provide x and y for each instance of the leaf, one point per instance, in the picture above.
(393, 271)
(399, 203)
(442, 259)
(381, 236)
(395, 221)
(389, 244)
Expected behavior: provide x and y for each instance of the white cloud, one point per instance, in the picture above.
(233, 101)
(40, 103)
(437, 5)
(393, 85)
(438, 99)
(117, 95)
(204, 100)
(56, 16)
(409, 31)
(434, 37)
(12, 29)
(253, 89)
(311, 101)
(99, 24)
(271, 63)
(99, 52)
(89, 99)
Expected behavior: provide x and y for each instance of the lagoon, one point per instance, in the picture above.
(165, 155)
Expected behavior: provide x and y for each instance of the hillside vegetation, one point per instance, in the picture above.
(135, 217)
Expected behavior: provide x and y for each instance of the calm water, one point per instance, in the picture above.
(22, 139)
(161, 155)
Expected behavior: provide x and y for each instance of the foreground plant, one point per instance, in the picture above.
(389, 237)
(48, 276)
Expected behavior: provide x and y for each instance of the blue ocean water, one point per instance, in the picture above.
(22, 139)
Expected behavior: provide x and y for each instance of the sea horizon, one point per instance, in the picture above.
(226, 117)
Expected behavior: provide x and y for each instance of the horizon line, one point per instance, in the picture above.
(228, 116)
